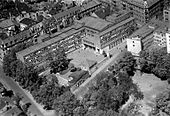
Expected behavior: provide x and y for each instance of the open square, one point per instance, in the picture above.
(81, 55)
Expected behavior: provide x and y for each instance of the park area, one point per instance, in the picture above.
(151, 86)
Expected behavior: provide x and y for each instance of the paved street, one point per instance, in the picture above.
(84, 86)
(14, 86)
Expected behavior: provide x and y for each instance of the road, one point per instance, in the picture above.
(84, 86)
(35, 108)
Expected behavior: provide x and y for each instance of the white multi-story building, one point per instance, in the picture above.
(134, 45)
(168, 41)
(166, 14)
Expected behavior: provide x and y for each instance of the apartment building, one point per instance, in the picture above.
(168, 41)
(143, 10)
(37, 55)
(66, 18)
(154, 32)
(102, 35)
(166, 14)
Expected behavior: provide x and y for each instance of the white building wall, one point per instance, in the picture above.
(168, 42)
(134, 45)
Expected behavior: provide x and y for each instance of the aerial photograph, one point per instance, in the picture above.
(84, 57)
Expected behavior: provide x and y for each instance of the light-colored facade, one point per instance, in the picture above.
(134, 45)
(160, 38)
(102, 35)
(168, 41)
(166, 14)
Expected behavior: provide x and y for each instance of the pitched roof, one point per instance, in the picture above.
(6, 23)
(140, 3)
(77, 75)
(88, 5)
(66, 12)
(28, 22)
(95, 23)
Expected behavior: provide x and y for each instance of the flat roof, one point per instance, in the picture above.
(95, 23)
(38, 46)
(117, 25)
(54, 38)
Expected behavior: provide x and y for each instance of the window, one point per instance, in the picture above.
(6, 44)
(10, 42)
(35, 40)
(166, 12)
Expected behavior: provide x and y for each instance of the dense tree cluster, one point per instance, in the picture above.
(162, 104)
(12, 8)
(58, 62)
(104, 98)
(156, 61)
(126, 63)
(44, 90)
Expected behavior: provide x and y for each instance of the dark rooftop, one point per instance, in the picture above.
(28, 22)
(77, 75)
(88, 5)
(66, 12)
(102, 13)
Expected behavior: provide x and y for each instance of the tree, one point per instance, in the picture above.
(59, 62)
(48, 93)
(66, 104)
(24, 108)
(162, 103)
(127, 63)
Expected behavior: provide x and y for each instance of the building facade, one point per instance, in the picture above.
(166, 14)
(102, 35)
(143, 10)
(168, 41)
(134, 45)
(37, 55)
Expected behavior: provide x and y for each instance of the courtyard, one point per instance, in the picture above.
(80, 55)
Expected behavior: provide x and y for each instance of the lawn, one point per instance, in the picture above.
(151, 86)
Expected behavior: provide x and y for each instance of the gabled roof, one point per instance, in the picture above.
(89, 5)
(66, 12)
(77, 75)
